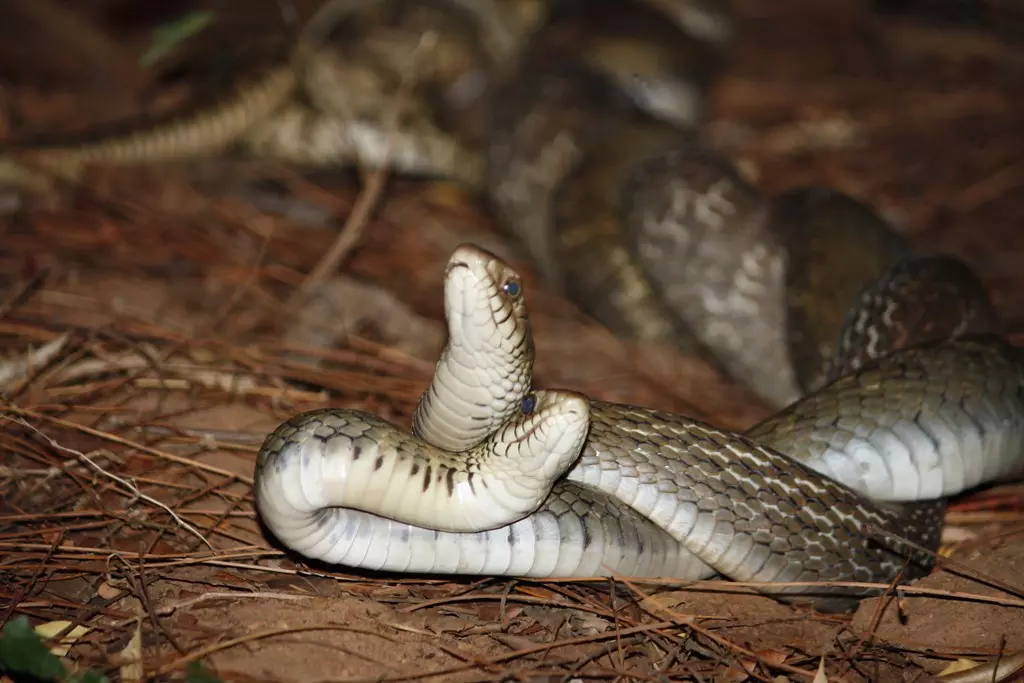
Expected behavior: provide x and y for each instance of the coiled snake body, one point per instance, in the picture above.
(574, 531)
(667, 495)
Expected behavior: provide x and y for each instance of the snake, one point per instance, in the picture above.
(794, 499)
(632, 72)
(573, 531)
(339, 96)
(592, 160)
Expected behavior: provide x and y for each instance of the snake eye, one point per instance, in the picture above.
(529, 404)
(512, 288)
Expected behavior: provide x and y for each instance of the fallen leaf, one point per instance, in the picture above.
(132, 654)
(108, 591)
(959, 665)
(820, 677)
(50, 630)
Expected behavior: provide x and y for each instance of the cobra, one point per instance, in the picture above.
(825, 490)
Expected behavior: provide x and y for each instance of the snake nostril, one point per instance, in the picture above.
(512, 288)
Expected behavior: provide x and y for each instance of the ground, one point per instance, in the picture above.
(153, 302)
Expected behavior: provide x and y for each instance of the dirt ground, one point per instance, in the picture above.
(157, 310)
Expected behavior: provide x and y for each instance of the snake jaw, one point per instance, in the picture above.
(564, 440)
(544, 442)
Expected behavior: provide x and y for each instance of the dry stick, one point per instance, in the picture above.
(166, 559)
(989, 188)
(123, 517)
(615, 617)
(46, 531)
(167, 610)
(23, 291)
(219, 518)
(143, 595)
(981, 516)
(759, 588)
(35, 577)
(130, 444)
(876, 618)
(75, 514)
(744, 587)
(244, 287)
(902, 590)
(199, 654)
(120, 480)
(495, 673)
(155, 361)
(210, 649)
(544, 648)
(356, 223)
(65, 468)
(688, 622)
(599, 610)
(503, 599)
(350, 234)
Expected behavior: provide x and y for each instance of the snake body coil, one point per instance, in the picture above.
(734, 504)
(574, 531)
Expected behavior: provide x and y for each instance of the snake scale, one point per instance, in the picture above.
(589, 154)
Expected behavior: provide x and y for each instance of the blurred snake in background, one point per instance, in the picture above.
(581, 130)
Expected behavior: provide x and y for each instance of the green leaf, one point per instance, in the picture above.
(169, 36)
(89, 676)
(22, 651)
(197, 674)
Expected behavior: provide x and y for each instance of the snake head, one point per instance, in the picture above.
(488, 325)
(544, 440)
(483, 298)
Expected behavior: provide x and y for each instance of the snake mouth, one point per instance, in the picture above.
(462, 284)
(453, 266)
(471, 264)
(467, 281)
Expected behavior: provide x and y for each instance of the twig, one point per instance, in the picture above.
(130, 444)
(689, 622)
(143, 595)
(764, 588)
(367, 200)
(210, 649)
(35, 577)
(951, 565)
(350, 235)
(120, 480)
